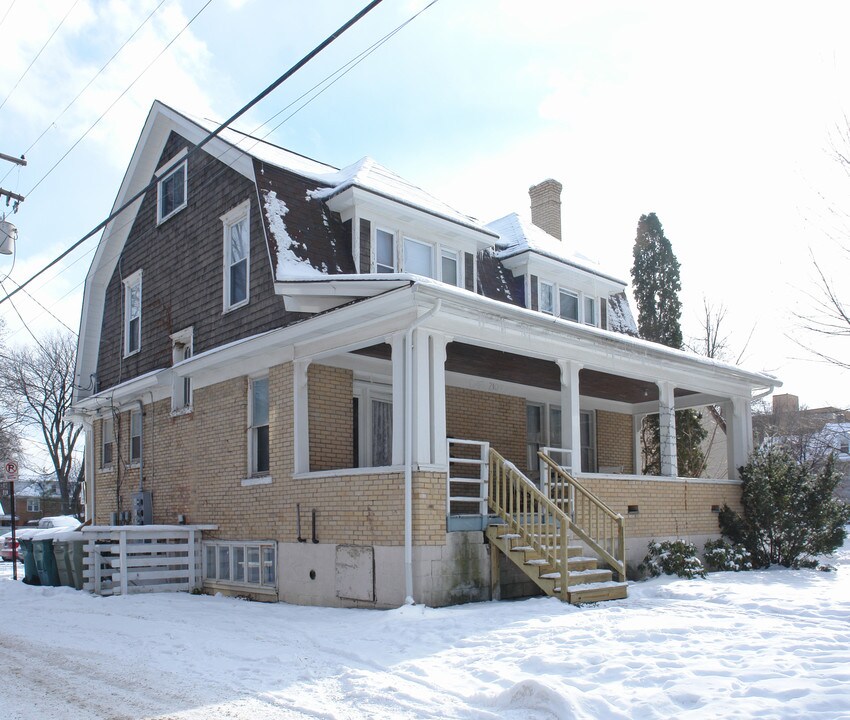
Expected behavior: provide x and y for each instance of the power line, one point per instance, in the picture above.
(6, 14)
(62, 22)
(37, 302)
(267, 91)
(123, 93)
(88, 84)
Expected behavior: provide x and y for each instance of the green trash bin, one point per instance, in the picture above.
(68, 549)
(30, 569)
(45, 561)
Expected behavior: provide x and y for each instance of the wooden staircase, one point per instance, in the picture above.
(545, 533)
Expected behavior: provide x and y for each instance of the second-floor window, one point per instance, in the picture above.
(547, 298)
(449, 267)
(236, 256)
(567, 304)
(33, 505)
(133, 313)
(418, 257)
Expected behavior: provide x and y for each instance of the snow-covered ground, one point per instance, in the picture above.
(770, 644)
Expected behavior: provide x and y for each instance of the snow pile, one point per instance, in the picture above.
(760, 644)
(289, 265)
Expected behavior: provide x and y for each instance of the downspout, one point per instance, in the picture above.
(89, 464)
(408, 451)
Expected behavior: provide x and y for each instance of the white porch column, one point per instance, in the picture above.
(667, 423)
(89, 458)
(439, 451)
(637, 445)
(739, 434)
(570, 416)
(301, 419)
(421, 398)
(397, 344)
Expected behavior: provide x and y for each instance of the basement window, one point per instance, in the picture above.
(241, 564)
(634, 509)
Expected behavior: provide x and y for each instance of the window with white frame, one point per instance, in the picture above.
(543, 427)
(107, 442)
(418, 257)
(569, 305)
(33, 505)
(546, 298)
(237, 265)
(171, 193)
(449, 267)
(181, 349)
(373, 424)
(135, 437)
(384, 251)
(258, 431)
(133, 313)
(590, 311)
(242, 564)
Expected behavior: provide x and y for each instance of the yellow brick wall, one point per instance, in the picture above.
(497, 419)
(614, 446)
(195, 464)
(665, 508)
(331, 391)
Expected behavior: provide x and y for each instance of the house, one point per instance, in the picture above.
(33, 501)
(349, 377)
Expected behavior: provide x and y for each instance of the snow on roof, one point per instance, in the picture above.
(289, 264)
(366, 173)
(518, 235)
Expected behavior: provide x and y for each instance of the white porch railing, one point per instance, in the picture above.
(467, 477)
(126, 559)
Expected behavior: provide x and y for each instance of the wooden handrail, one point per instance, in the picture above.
(528, 513)
(588, 517)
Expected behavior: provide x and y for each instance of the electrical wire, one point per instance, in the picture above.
(6, 14)
(115, 101)
(267, 91)
(339, 73)
(62, 22)
(88, 84)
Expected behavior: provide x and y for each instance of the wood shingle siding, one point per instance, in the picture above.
(365, 246)
(182, 263)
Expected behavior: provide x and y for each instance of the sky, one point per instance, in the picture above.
(764, 644)
(724, 119)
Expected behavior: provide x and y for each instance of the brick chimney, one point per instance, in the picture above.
(785, 405)
(546, 206)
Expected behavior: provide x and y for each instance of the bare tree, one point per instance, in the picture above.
(38, 382)
(829, 315)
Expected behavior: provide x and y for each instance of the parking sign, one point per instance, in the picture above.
(11, 470)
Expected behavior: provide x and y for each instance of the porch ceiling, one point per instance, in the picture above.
(509, 367)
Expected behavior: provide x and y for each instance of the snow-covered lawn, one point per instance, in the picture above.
(772, 644)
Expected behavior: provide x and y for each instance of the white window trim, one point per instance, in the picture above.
(103, 425)
(174, 168)
(557, 289)
(130, 282)
(595, 303)
(431, 247)
(240, 212)
(231, 545)
(458, 257)
(33, 505)
(374, 258)
(180, 342)
(252, 453)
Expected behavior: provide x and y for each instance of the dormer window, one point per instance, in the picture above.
(590, 311)
(384, 251)
(569, 305)
(418, 258)
(171, 193)
(449, 267)
(547, 298)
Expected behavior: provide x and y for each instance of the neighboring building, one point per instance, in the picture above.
(308, 357)
(33, 501)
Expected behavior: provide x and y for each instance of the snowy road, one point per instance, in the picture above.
(766, 644)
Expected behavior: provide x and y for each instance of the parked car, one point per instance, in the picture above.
(8, 551)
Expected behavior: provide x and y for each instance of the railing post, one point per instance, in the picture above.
(621, 527)
(565, 568)
(122, 559)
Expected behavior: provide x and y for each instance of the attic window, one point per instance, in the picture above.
(133, 313)
(384, 251)
(171, 193)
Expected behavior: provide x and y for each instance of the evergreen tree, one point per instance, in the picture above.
(790, 514)
(656, 286)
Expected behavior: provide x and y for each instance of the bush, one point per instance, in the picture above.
(675, 557)
(720, 555)
(790, 515)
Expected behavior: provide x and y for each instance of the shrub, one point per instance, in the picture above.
(720, 555)
(675, 557)
(790, 515)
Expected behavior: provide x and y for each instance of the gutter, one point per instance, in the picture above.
(408, 451)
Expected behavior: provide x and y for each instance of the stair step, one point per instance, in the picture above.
(596, 592)
(582, 577)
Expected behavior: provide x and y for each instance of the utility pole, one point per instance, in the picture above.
(10, 196)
